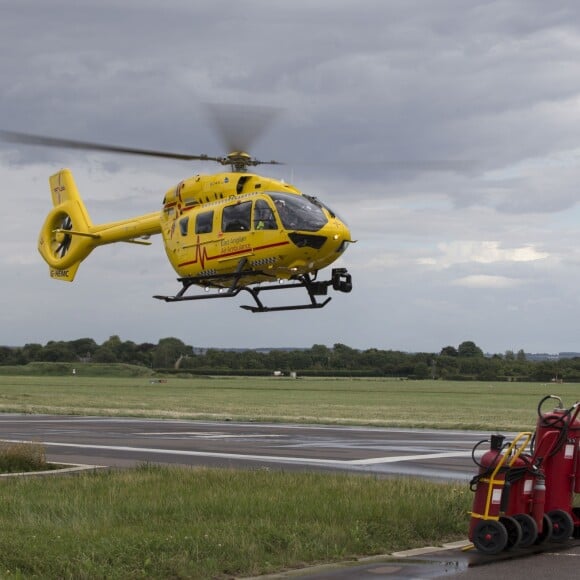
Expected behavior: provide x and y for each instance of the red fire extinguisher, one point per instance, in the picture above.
(491, 527)
(524, 499)
(556, 451)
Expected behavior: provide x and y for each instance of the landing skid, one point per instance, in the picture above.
(340, 281)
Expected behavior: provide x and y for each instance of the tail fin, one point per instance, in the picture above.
(65, 239)
(68, 236)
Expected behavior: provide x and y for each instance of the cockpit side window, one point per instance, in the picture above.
(236, 218)
(264, 216)
(297, 212)
(204, 222)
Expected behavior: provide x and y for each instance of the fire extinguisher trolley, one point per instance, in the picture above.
(498, 521)
(524, 498)
(557, 452)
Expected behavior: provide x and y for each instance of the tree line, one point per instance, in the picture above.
(464, 362)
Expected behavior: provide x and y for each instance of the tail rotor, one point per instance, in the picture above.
(62, 239)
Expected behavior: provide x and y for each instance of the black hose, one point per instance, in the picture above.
(489, 469)
(559, 422)
(512, 474)
(473, 452)
(555, 419)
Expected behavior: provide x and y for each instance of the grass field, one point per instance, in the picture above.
(438, 404)
(156, 522)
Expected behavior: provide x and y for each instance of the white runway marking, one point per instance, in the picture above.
(265, 458)
(207, 435)
(397, 459)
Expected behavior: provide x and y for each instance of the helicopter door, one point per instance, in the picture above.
(268, 240)
(264, 216)
(235, 231)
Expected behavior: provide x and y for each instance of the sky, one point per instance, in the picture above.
(446, 133)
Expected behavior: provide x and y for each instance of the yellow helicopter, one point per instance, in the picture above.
(223, 232)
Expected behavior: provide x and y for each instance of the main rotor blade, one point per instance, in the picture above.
(27, 139)
(240, 126)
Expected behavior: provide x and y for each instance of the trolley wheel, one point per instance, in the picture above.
(562, 524)
(490, 537)
(529, 529)
(546, 534)
(514, 531)
(576, 518)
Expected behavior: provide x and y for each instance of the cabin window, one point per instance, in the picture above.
(236, 218)
(264, 216)
(183, 225)
(204, 222)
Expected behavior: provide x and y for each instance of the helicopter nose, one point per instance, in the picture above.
(341, 236)
(307, 240)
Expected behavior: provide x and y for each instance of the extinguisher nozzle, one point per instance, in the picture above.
(497, 442)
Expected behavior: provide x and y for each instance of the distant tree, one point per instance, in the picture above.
(545, 370)
(467, 360)
(127, 352)
(472, 365)
(104, 354)
(278, 359)
(294, 360)
(320, 355)
(57, 352)
(7, 355)
(448, 351)
(83, 347)
(145, 352)
(344, 357)
(168, 351)
(469, 348)
(421, 370)
(371, 358)
(113, 342)
(251, 360)
(31, 352)
(447, 366)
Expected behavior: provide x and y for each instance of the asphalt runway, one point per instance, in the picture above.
(126, 442)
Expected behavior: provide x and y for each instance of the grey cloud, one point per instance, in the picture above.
(370, 91)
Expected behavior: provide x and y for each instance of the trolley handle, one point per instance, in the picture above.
(513, 451)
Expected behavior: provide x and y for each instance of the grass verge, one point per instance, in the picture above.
(23, 457)
(161, 522)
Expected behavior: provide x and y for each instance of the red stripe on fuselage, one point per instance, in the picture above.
(202, 257)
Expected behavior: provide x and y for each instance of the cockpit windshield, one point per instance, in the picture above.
(298, 212)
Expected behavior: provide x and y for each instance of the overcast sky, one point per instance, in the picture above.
(374, 96)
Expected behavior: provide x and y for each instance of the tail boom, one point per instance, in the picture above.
(68, 236)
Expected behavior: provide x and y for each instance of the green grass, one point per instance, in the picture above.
(157, 522)
(438, 404)
(23, 457)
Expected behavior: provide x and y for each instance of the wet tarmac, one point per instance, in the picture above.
(562, 560)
